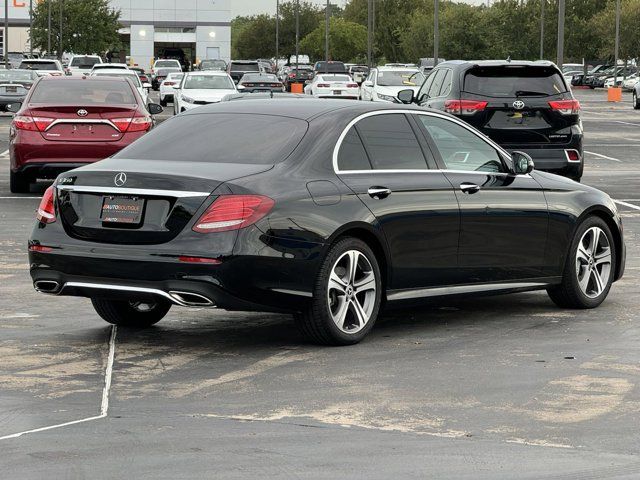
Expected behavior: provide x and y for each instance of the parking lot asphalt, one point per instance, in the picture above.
(494, 388)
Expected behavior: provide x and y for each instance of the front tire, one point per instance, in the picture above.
(132, 314)
(346, 297)
(589, 269)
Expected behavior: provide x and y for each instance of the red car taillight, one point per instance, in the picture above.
(46, 211)
(292, 75)
(135, 124)
(464, 107)
(233, 212)
(323, 85)
(169, 84)
(34, 124)
(352, 85)
(566, 107)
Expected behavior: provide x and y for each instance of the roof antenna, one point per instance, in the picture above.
(509, 59)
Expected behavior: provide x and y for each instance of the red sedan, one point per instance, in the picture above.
(67, 122)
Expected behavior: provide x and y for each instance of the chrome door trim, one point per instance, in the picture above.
(131, 191)
(459, 289)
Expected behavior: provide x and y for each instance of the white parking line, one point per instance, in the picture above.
(104, 406)
(627, 123)
(603, 156)
(13, 198)
(630, 205)
(5, 153)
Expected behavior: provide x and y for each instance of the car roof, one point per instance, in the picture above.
(119, 71)
(398, 69)
(40, 60)
(498, 63)
(86, 78)
(209, 73)
(300, 108)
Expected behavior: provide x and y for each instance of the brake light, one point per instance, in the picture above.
(46, 212)
(34, 124)
(323, 85)
(292, 75)
(464, 107)
(565, 107)
(135, 124)
(572, 155)
(40, 248)
(210, 261)
(168, 84)
(233, 212)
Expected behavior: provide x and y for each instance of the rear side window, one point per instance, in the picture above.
(391, 142)
(352, 155)
(83, 92)
(514, 81)
(220, 138)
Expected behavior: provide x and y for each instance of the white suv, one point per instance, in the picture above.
(82, 64)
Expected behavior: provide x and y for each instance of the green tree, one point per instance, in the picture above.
(347, 41)
(88, 26)
(256, 38)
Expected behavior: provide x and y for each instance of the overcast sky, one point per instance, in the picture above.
(253, 7)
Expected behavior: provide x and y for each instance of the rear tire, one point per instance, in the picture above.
(18, 183)
(346, 297)
(589, 268)
(131, 314)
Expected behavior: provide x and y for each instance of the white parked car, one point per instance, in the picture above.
(165, 63)
(201, 88)
(143, 88)
(167, 87)
(333, 86)
(83, 64)
(630, 82)
(384, 83)
(43, 66)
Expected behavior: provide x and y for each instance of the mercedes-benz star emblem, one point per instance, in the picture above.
(120, 179)
(82, 112)
(518, 104)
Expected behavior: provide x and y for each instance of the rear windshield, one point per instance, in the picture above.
(220, 138)
(245, 67)
(260, 78)
(208, 82)
(334, 78)
(514, 81)
(84, 62)
(331, 67)
(30, 65)
(399, 78)
(163, 72)
(213, 64)
(131, 76)
(83, 92)
(168, 63)
(16, 75)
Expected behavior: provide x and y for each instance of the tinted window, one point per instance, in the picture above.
(167, 63)
(434, 91)
(84, 62)
(331, 67)
(83, 92)
(514, 81)
(245, 67)
(391, 143)
(26, 64)
(220, 138)
(446, 84)
(260, 78)
(131, 76)
(459, 148)
(352, 155)
(425, 87)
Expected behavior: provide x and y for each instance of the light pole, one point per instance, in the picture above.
(5, 36)
(326, 33)
(542, 2)
(436, 33)
(560, 53)
(31, 27)
(60, 54)
(617, 46)
(297, 32)
(369, 32)
(277, 32)
(373, 31)
(49, 28)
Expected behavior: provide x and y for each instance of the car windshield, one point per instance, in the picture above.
(83, 92)
(31, 65)
(245, 67)
(507, 81)
(224, 138)
(84, 62)
(131, 76)
(260, 78)
(167, 63)
(15, 75)
(334, 78)
(208, 82)
(400, 78)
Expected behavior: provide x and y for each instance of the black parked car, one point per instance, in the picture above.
(523, 106)
(260, 82)
(302, 74)
(320, 208)
(239, 68)
(329, 67)
(14, 86)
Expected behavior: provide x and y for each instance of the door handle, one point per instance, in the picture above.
(470, 188)
(379, 192)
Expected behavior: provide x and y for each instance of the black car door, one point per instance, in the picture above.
(504, 217)
(386, 161)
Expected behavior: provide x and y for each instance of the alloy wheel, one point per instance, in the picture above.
(593, 262)
(351, 291)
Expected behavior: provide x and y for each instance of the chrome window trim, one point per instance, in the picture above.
(131, 191)
(459, 289)
(484, 138)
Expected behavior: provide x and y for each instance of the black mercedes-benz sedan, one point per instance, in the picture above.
(322, 209)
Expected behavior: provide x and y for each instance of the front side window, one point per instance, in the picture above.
(391, 143)
(460, 148)
(400, 78)
(434, 91)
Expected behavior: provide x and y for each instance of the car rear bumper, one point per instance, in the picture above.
(555, 158)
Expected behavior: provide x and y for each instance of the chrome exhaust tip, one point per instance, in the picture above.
(190, 299)
(46, 286)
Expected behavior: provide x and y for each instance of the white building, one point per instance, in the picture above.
(198, 28)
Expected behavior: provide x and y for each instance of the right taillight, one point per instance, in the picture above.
(464, 107)
(46, 211)
(565, 107)
(233, 212)
(135, 124)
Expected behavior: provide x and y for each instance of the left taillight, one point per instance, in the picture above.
(464, 107)
(46, 210)
(565, 107)
(34, 124)
(132, 124)
(233, 212)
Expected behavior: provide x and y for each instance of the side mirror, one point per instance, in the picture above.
(522, 163)
(146, 85)
(154, 108)
(14, 107)
(406, 96)
(176, 87)
(368, 83)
